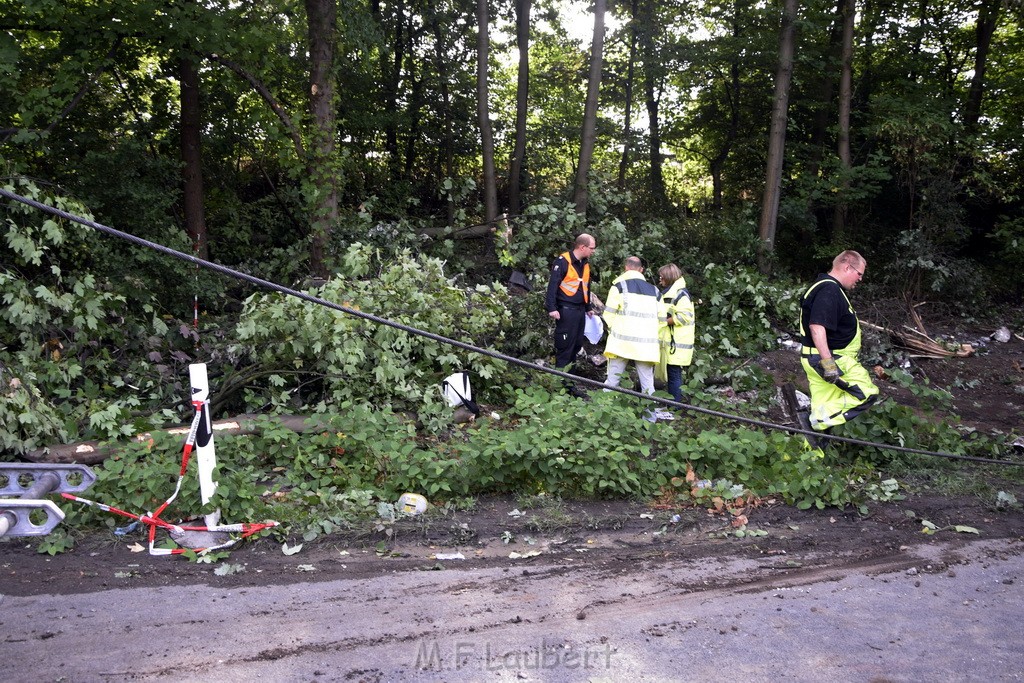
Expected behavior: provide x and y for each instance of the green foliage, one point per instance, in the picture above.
(543, 230)
(73, 365)
(356, 360)
(739, 309)
(616, 456)
(1009, 261)
(57, 541)
(902, 425)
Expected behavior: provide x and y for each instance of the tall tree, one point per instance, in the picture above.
(483, 110)
(517, 166)
(446, 151)
(649, 29)
(322, 17)
(849, 11)
(777, 137)
(588, 138)
(627, 117)
(731, 91)
(823, 107)
(191, 155)
(984, 29)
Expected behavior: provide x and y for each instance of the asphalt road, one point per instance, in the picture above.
(904, 617)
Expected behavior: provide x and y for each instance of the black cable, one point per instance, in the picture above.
(474, 349)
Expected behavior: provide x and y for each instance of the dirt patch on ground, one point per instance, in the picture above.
(613, 538)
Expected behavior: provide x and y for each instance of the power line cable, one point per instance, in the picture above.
(266, 284)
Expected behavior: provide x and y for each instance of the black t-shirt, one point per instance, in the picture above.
(827, 305)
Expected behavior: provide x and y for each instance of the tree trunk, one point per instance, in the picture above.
(393, 74)
(445, 154)
(732, 97)
(483, 112)
(627, 124)
(322, 17)
(845, 100)
(94, 452)
(777, 138)
(589, 137)
(988, 19)
(415, 109)
(192, 156)
(515, 172)
(822, 117)
(652, 67)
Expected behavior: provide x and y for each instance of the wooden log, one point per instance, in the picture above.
(94, 452)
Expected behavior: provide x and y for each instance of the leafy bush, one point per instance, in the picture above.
(345, 358)
(739, 309)
(74, 364)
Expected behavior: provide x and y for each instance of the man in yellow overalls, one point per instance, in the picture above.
(841, 389)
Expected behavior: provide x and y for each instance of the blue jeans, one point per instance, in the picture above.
(675, 381)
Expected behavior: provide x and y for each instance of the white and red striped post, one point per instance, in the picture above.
(206, 456)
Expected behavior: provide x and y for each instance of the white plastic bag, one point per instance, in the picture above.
(594, 329)
(455, 388)
(456, 391)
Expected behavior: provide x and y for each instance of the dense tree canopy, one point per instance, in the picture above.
(305, 116)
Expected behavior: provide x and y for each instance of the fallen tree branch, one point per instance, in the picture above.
(922, 344)
(95, 452)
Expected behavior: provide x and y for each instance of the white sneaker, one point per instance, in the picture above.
(665, 415)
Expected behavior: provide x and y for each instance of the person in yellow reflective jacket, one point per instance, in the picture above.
(631, 316)
(841, 389)
(676, 329)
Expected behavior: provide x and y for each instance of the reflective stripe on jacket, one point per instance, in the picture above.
(631, 315)
(573, 280)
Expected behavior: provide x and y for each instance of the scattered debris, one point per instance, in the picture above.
(290, 550)
(1002, 335)
(1005, 500)
(519, 280)
(412, 504)
(788, 343)
(930, 528)
(522, 556)
(449, 556)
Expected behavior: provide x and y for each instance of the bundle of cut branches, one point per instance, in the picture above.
(921, 344)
